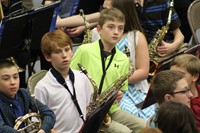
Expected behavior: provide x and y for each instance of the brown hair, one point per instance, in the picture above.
(188, 61)
(164, 82)
(52, 40)
(111, 15)
(128, 9)
(6, 63)
(176, 118)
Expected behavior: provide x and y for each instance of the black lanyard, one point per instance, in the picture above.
(103, 64)
(61, 80)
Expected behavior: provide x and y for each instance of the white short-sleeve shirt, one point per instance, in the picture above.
(58, 99)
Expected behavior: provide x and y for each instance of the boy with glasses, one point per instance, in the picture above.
(189, 65)
(170, 85)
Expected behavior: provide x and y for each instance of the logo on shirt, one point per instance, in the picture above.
(117, 66)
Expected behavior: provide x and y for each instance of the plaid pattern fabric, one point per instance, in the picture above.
(27, 104)
(131, 98)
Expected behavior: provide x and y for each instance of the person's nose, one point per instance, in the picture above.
(190, 95)
(12, 81)
(116, 31)
(64, 54)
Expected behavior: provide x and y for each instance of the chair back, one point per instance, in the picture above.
(194, 19)
(34, 79)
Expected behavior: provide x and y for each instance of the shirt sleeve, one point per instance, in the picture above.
(77, 58)
(47, 115)
(40, 93)
(5, 128)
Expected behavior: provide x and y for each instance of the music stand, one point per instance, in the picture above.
(149, 100)
(23, 31)
(95, 120)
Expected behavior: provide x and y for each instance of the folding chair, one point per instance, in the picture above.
(34, 79)
(194, 20)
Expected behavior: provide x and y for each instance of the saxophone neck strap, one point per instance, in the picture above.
(104, 68)
(62, 81)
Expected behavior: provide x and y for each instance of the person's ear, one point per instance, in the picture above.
(48, 58)
(195, 77)
(167, 97)
(98, 28)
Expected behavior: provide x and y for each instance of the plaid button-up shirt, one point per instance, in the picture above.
(28, 104)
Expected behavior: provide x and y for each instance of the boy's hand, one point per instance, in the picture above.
(165, 49)
(73, 32)
(54, 131)
(41, 131)
(119, 96)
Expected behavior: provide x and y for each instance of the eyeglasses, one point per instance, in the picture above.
(186, 91)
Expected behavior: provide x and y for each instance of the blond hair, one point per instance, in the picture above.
(189, 62)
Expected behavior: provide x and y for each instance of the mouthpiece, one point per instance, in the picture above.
(82, 69)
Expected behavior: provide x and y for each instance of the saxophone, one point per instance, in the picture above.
(95, 87)
(98, 100)
(87, 36)
(113, 88)
(155, 42)
(95, 97)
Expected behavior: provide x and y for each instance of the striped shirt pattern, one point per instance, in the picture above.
(154, 15)
(132, 96)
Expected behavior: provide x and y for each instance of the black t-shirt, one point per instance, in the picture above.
(181, 7)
